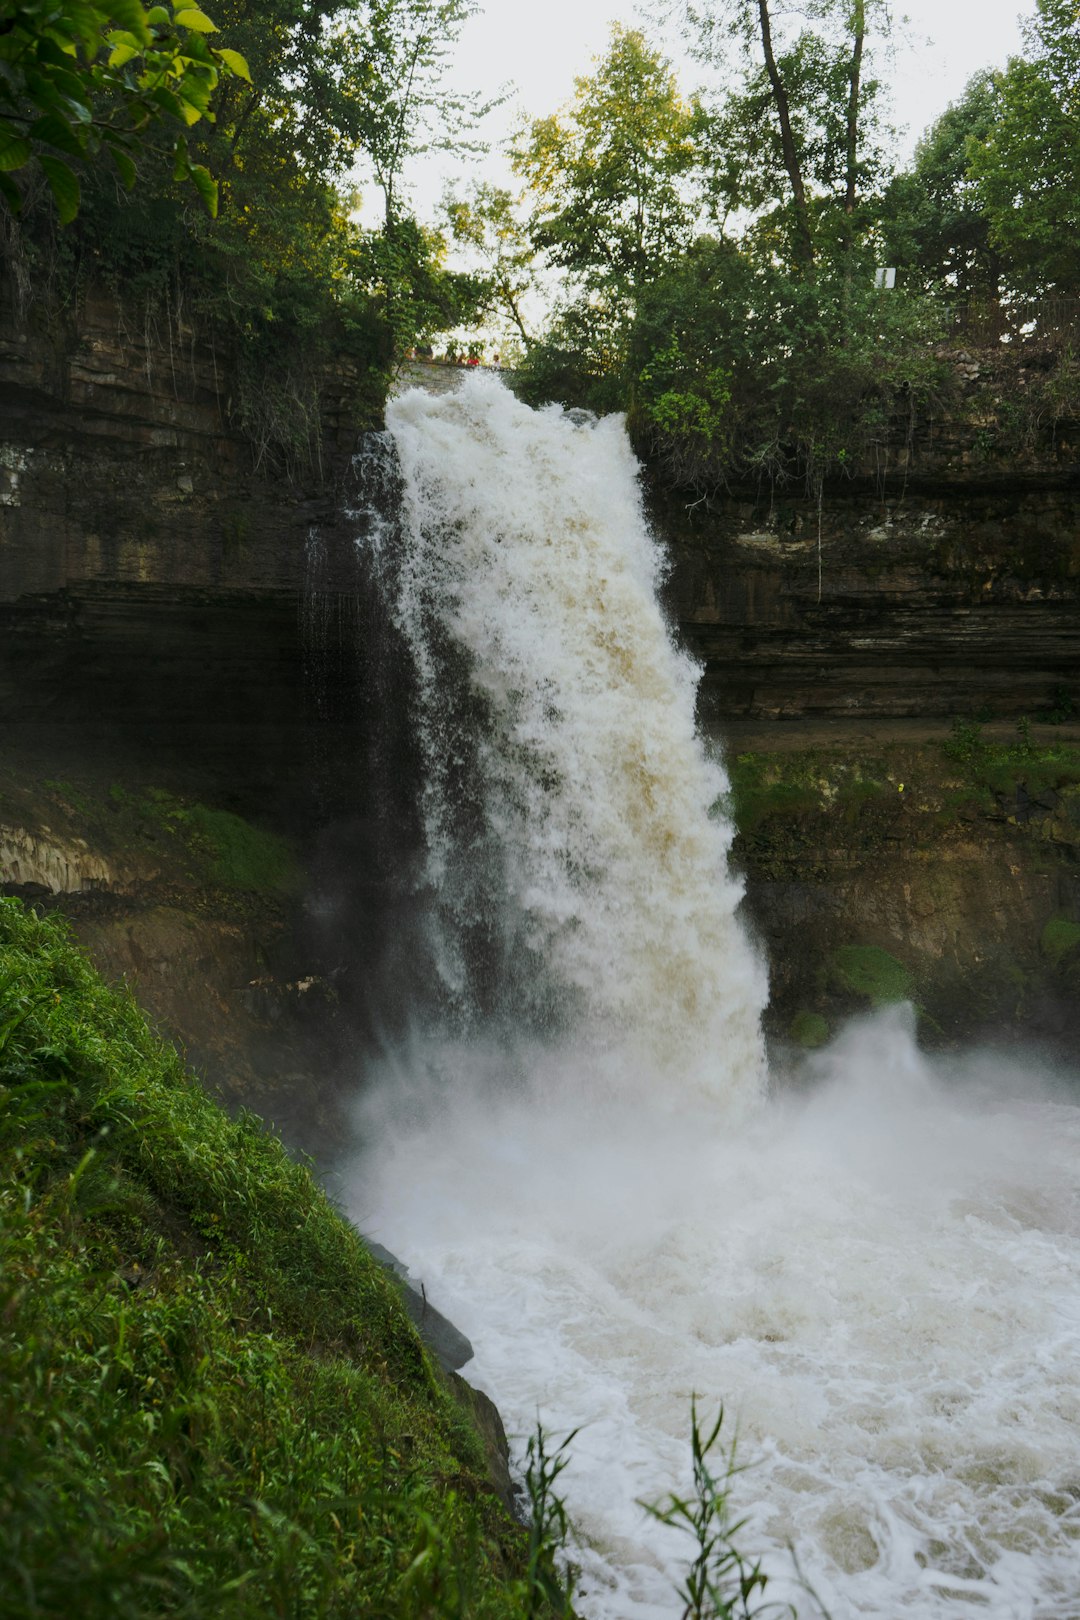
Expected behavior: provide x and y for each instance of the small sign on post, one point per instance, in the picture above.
(884, 278)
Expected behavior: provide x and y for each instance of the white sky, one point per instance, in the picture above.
(541, 45)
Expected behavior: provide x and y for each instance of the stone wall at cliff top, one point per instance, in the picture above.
(943, 580)
(151, 571)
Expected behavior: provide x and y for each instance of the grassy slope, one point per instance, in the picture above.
(211, 1399)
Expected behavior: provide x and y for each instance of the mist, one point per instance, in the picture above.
(872, 1258)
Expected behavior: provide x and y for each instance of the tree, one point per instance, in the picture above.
(1027, 168)
(610, 173)
(78, 77)
(741, 367)
(933, 224)
(397, 63)
(798, 143)
(283, 278)
(486, 222)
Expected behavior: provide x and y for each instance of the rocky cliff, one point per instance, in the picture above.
(942, 580)
(173, 642)
(178, 619)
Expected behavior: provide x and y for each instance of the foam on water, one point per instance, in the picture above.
(879, 1274)
(881, 1277)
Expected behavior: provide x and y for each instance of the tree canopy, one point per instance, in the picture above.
(272, 108)
(608, 174)
(707, 259)
(78, 78)
(1026, 166)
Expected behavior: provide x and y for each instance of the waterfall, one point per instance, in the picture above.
(575, 860)
(569, 1140)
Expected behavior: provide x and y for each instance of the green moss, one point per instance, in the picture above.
(809, 1030)
(69, 794)
(1000, 767)
(860, 791)
(800, 785)
(1058, 938)
(872, 973)
(211, 1398)
(762, 788)
(230, 850)
(243, 856)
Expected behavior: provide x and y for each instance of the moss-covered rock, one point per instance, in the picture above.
(1059, 939)
(886, 864)
(870, 973)
(809, 1030)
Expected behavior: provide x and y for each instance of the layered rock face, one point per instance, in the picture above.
(942, 588)
(150, 572)
(174, 613)
(179, 626)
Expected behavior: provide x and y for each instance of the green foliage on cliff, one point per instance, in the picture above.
(719, 253)
(999, 767)
(288, 285)
(211, 1398)
(78, 79)
(228, 849)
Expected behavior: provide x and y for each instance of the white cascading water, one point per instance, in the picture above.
(878, 1275)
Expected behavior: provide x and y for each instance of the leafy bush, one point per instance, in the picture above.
(738, 368)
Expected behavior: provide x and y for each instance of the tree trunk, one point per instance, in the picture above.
(804, 242)
(855, 77)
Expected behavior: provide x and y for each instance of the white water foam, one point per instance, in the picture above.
(590, 844)
(881, 1278)
(879, 1275)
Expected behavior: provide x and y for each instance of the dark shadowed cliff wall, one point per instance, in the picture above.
(944, 580)
(175, 616)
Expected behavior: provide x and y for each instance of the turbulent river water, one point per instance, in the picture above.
(578, 1149)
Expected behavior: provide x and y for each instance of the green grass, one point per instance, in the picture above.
(211, 1399)
(231, 851)
(1000, 767)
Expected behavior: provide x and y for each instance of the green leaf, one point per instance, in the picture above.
(168, 103)
(125, 168)
(14, 150)
(61, 85)
(130, 15)
(55, 132)
(206, 186)
(47, 51)
(195, 92)
(234, 62)
(196, 50)
(84, 22)
(158, 17)
(124, 51)
(190, 17)
(64, 187)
